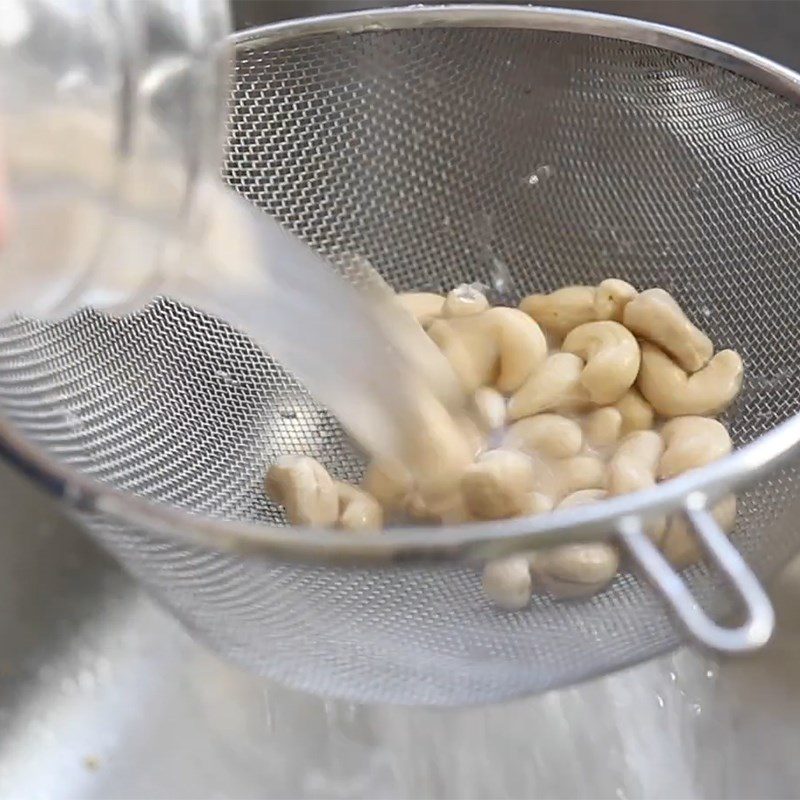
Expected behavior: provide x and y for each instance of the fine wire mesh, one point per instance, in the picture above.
(523, 159)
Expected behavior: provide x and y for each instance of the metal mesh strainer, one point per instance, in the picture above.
(530, 147)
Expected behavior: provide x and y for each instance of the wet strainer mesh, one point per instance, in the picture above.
(523, 159)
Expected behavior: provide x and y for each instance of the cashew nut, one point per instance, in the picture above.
(437, 449)
(501, 346)
(358, 510)
(580, 472)
(464, 300)
(389, 482)
(611, 297)
(654, 315)
(448, 509)
(472, 433)
(603, 427)
(550, 435)
(673, 393)
(634, 464)
(536, 503)
(680, 547)
(575, 570)
(469, 347)
(490, 408)
(583, 497)
(555, 385)
(637, 413)
(692, 442)
(425, 307)
(633, 468)
(507, 582)
(561, 311)
(305, 489)
(521, 343)
(612, 359)
(497, 485)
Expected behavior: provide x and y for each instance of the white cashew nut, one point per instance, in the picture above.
(634, 465)
(561, 311)
(603, 427)
(673, 393)
(654, 315)
(305, 489)
(425, 307)
(633, 468)
(358, 511)
(498, 484)
(550, 435)
(448, 509)
(507, 582)
(472, 433)
(612, 359)
(611, 297)
(536, 503)
(555, 385)
(583, 497)
(464, 300)
(575, 570)
(679, 545)
(521, 343)
(500, 346)
(637, 413)
(692, 442)
(580, 472)
(490, 408)
(469, 347)
(438, 448)
(389, 482)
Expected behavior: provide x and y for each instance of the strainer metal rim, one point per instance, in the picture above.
(474, 540)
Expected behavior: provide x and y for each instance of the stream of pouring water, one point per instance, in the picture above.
(357, 352)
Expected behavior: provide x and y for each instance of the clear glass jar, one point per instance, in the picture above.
(112, 114)
(111, 120)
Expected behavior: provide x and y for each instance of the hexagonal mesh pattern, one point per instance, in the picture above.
(524, 159)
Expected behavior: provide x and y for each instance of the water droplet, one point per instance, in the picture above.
(269, 715)
(697, 709)
(72, 80)
(660, 701)
(540, 174)
(226, 377)
(86, 680)
(329, 709)
(706, 311)
(770, 381)
(103, 667)
(710, 673)
(500, 275)
(673, 677)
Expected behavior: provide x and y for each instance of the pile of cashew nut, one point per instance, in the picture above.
(576, 396)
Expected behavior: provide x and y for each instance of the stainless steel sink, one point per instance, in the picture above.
(102, 695)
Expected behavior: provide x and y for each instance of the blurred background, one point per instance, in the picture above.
(768, 27)
(102, 695)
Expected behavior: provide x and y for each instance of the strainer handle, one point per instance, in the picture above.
(757, 628)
